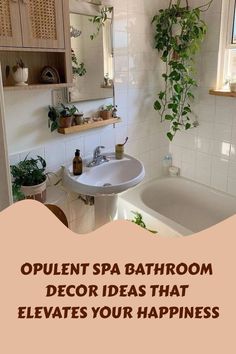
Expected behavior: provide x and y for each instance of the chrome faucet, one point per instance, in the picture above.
(98, 159)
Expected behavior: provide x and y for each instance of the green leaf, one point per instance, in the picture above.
(54, 126)
(190, 95)
(170, 136)
(161, 95)
(187, 126)
(178, 88)
(168, 117)
(157, 105)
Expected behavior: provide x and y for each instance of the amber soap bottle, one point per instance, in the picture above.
(77, 164)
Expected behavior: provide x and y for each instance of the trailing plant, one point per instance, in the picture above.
(55, 113)
(78, 69)
(138, 220)
(99, 20)
(179, 32)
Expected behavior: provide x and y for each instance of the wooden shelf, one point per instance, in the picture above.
(222, 93)
(87, 126)
(36, 86)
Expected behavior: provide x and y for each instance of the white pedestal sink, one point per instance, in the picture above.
(104, 182)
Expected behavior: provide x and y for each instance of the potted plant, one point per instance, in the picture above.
(179, 31)
(29, 179)
(106, 111)
(20, 73)
(61, 117)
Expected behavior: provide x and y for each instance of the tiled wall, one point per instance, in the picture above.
(208, 154)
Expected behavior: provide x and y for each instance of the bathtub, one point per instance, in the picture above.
(183, 206)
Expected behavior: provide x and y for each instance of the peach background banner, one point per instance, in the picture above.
(32, 237)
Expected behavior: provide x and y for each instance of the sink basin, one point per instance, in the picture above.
(112, 177)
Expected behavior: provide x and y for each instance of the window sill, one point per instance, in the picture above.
(222, 93)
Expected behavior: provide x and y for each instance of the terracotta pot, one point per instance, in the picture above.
(65, 122)
(37, 192)
(106, 114)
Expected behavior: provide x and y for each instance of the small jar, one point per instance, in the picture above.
(119, 151)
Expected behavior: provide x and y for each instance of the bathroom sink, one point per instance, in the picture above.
(112, 177)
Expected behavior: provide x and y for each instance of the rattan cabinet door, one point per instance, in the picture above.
(10, 27)
(42, 23)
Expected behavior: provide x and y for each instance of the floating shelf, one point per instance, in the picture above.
(36, 86)
(222, 93)
(87, 126)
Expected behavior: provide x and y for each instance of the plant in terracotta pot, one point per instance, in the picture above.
(61, 118)
(20, 73)
(106, 111)
(29, 179)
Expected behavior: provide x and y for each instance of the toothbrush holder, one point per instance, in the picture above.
(119, 151)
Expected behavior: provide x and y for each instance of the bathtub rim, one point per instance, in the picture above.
(173, 225)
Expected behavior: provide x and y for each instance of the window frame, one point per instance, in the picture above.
(225, 45)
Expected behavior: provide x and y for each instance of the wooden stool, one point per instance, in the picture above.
(58, 213)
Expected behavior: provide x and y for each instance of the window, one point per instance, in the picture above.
(227, 56)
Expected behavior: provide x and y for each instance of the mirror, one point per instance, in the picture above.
(92, 53)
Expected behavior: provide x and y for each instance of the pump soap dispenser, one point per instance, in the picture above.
(77, 164)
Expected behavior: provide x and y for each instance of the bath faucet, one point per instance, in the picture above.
(98, 159)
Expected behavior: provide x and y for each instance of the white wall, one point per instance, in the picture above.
(208, 154)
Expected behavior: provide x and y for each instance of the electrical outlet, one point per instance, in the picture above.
(58, 97)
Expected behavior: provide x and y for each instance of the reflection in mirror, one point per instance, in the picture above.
(92, 59)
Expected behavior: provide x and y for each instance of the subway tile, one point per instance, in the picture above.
(219, 182)
(55, 155)
(71, 147)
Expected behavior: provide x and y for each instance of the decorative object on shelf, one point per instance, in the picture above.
(100, 20)
(29, 179)
(106, 112)
(179, 33)
(61, 118)
(79, 118)
(50, 75)
(114, 112)
(20, 73)
(78, 69)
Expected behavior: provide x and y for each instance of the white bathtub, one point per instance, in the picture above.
(184, 206)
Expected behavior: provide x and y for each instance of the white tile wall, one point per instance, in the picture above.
(211, 157)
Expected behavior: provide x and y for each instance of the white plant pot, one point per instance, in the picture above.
(37, 192)
(20, 76)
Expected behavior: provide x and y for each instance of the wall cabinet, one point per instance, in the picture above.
(38, 32)
(32, 24)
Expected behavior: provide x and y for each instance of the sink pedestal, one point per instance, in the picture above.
(105, 209)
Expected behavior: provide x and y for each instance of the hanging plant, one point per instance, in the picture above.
(99, 20)
(178, 35)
